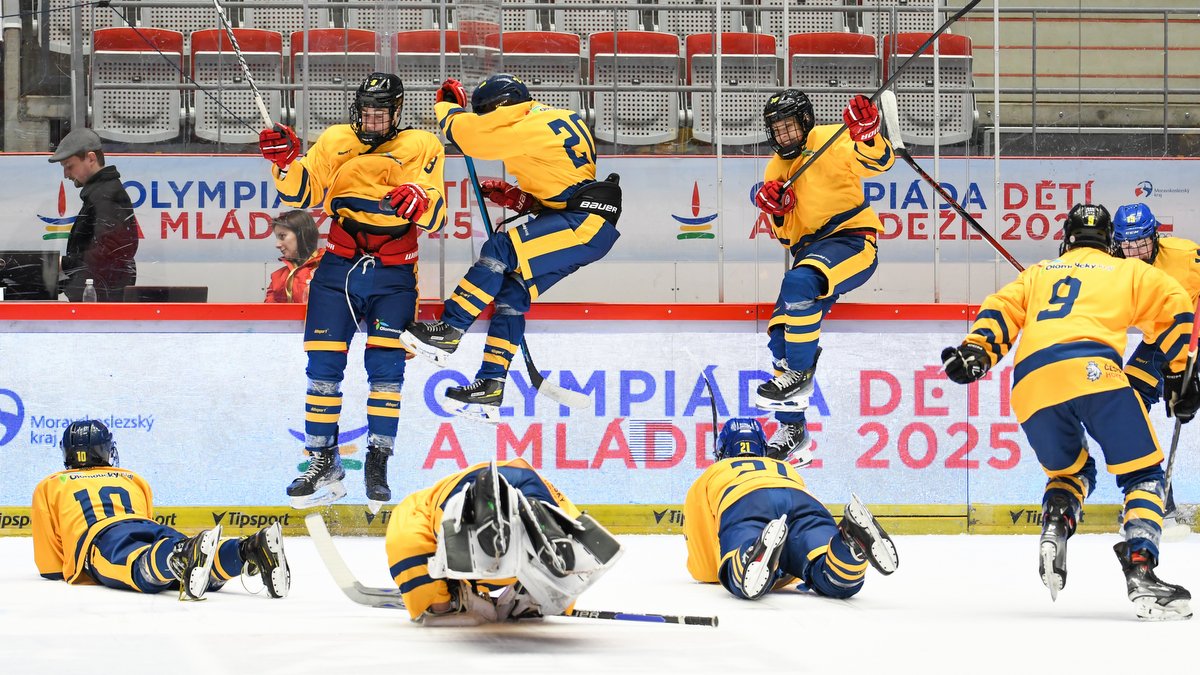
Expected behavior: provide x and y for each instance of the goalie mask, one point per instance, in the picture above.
(789, 117)
(88, 443)
(498, 90)
(741, 436)
(375, 113)
(1135, 231)
(1087, 225)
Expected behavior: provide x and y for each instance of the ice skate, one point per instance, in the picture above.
(191, 561)
(1155, 599)
(788, 391)
(434, 340)
(263, 556)
(1058, 524)
(479, 401)
(791, 443)
(754, 569)
(375, 475)
(324, 471)
(867, 538)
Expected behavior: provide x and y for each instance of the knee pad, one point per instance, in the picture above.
(504, 309)
(480, 531)
(385, 364)
(492, 265)
(325, 387)
(326, 366)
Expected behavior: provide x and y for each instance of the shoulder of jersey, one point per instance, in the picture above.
(1178, 243)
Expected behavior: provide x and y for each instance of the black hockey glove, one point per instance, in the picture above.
(1180, 403)
(966, 363)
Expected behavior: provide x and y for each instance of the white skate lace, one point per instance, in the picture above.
(789, 378)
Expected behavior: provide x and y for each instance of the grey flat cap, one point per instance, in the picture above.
(79, 140)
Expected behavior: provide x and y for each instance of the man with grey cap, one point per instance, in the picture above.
(104, 237)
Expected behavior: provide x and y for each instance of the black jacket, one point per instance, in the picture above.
(103, 241)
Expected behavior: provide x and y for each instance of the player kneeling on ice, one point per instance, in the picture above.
(751, 525)
(94, 524)
(1073, 314)
(494, 527)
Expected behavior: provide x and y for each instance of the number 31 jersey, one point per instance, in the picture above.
(1073, 314)
(71, 507)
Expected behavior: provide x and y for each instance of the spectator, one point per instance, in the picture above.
(297, 240)
(104, 238)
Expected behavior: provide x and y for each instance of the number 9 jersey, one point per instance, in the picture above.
(71, 507)
(1073, 314)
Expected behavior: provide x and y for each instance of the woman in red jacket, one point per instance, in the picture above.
(297, 240)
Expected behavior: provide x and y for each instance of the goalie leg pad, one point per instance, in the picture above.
(564, 556)
(480, 531)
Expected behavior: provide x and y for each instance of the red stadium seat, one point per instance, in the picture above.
(419, 64)
(338, 60)
(748, 59)
(846, 62)
(956, 103)
(215, 65)
(636, 58)
(545, 59)
(122, 55)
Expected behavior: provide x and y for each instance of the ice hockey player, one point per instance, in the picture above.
(494, 528)
(752, 526)
(94, 524)
(831, 234)
(381, 185)
(1072, 315)
(551, 154)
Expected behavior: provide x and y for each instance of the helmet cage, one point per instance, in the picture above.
(788, 117)
(379, 91)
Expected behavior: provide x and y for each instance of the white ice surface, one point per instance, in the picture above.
(958, 604)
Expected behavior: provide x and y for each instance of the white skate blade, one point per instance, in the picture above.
(1052, 580)
(374, 506)
(797, 404)
(488, 414)
(759, 572)
(432, 354)
(1149, 610)
(334, 492)
(883, 552)
(197, 580)
(281, 577)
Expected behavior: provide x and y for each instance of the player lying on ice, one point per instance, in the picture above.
(752, 526)
(494, 528)
(94, 524)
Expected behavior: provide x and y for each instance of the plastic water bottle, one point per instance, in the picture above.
(89, 291)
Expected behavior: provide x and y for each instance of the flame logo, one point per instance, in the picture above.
(60, 227)
(696, 227)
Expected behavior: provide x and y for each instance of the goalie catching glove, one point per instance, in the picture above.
(1182, 402)
(966, 363)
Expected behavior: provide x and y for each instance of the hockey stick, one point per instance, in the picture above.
(390, 598)
(887, 83)
(237, 49)
(571, 399)
(712, 399)
(891, 117)
(1169, 503)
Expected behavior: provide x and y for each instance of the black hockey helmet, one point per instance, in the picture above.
(789, 117)
(1087, 225)
(379, 90)
(88, 443)
(498, 90)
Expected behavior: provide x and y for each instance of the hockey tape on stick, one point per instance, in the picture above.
(647, 618)
(886, 84)
(387, 598)
(571, 399)
(891, 119)
(237, 49)
(1169, 503)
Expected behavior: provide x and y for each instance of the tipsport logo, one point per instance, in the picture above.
(58, 227)
(345, 447)
(12, 415)
(697, 226)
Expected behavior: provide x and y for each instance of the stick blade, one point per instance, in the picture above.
(572, 399)
(890, 110)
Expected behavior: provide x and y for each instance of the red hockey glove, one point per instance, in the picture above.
(773, 199)
(452, 90)
(408, 200)
(862, 118)
(279, 145)
(510, 197)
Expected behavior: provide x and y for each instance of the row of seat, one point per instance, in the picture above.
(551, 63)
(577, 17)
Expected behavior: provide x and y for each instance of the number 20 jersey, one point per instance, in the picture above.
(71, 507)
(1073, 314)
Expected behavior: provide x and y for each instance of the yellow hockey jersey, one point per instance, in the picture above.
(549, 151)
(341, 174)
(1072, 314)
(1180, 259)
(412, 537)
(715, 490)
(829, 194)
(70, 507)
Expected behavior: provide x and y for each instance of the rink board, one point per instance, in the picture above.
(216, 418)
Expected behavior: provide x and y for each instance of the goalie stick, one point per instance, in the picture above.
(891, 118)
(887, 83)
(390, 598)
(571, 399)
